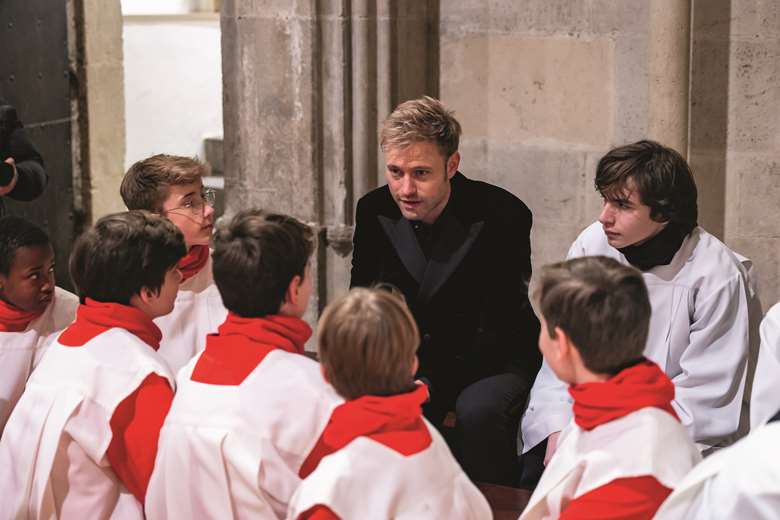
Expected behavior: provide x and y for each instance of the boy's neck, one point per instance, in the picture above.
(583, 375)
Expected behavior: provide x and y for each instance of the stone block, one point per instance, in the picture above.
(754, 96)
(549, 181)
(711, 19)
(103, 27)
(629, 17)
(533, 17)
(758, 191)
(709, 171)
(709, 95)
(531, 90)
(755, 19)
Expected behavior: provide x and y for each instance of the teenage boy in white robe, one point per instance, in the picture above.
(250, 407)
(82, 440)
(172, 186)
(379, 457)
(625, 450)
(741, 481)
(699, 331)
(32, 309)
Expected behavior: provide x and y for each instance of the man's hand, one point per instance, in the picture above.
(552, 445)
(5, 190)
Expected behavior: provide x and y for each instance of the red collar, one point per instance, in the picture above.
(14, 319)
(193, 262)
(636, 387)
(394, 421)
(93, 318)
(242, 343)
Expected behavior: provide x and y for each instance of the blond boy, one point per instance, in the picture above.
(378, 457)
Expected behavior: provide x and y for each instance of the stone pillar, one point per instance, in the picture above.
(544, 88)
(305, 85)
(100, 146)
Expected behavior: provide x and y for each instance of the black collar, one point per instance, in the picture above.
(660, 249)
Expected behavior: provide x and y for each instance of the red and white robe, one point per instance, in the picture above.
(248, 410)
(622, 454)
(24, 338)
(82, 440)
(379, 458)
(198, 311)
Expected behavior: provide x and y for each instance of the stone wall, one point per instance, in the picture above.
(544, 87)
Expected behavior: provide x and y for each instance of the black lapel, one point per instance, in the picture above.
(448, 251)
(404, 241)
(775, 417)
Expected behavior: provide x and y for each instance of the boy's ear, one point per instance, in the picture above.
(147, 295)
(293, 291)
(415, 365)
(563, 345)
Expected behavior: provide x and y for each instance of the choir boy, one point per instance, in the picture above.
(625, 449)
(82, 440)
(250, 407)
(172, 186)
(378, 457)
(32, 308)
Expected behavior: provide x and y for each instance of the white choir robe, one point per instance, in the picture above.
(366, 479)
(198, 311)
(699, 335)
(765, 398)
(647, 442)
(741, 482)
(54, 447)
(20, 352)
(234, 451)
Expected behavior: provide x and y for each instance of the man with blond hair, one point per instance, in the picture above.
(459, 251)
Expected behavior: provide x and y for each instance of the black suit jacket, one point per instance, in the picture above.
(470, 299)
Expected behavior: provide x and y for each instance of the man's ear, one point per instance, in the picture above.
(452, 164)
(415, 365)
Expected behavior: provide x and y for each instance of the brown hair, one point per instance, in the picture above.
(367, 342)
(256, 256)
(660, 175)
(602, 305)
(145, 185)
(124, 253)
(424, 119)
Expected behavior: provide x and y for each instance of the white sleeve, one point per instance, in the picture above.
(549, 403)
(721, 497)
(549, 408)
(710, 386)
(765, 397)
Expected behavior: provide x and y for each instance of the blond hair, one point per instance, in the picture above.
(423, 119)
(145, 185)
(367, 343)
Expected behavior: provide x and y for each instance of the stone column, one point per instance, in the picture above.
(305, 85)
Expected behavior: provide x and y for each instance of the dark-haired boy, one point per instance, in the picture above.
(32, 308)
(172, 186)
(249, 408)
(82, 440)
(625, 450)
(378, 457)
(699, 291)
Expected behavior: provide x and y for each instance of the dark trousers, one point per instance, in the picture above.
(484, 438)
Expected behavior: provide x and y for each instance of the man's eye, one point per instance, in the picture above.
(34, 276)
(420, 173)
(189, 204)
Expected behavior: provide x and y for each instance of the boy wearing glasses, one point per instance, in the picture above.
(173, 187)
